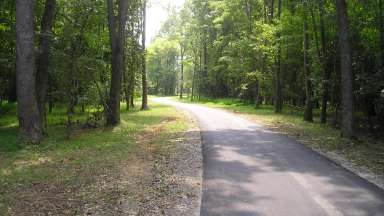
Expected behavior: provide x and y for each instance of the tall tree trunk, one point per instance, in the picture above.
(181, 71)
(249, 12)
(326, 60)
(144, 103)
(278, 94)
(28, 111)
(43, 59)
(308, 114)
(193, 81)
(116, 35)
(346, 70)
(126, 89)
(381, 26)
(315, 31)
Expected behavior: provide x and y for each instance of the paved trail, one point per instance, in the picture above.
(250, 170)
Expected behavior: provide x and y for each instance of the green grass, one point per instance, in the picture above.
(58, 160)
(366, 151)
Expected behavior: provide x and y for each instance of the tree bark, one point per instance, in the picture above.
(326, 60)
(116, 36)
(346, 70)
(308, 113)
(193, 82)
(144, 103)
(28, 112)
(44, 58)
(278, 94)
(381, 26)
(181, 71)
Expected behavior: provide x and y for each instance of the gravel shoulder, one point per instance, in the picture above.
(187, 172)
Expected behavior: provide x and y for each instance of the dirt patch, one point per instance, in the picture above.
(153, 180)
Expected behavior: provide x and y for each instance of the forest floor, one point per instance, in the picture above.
(150, 164)
(364, 156)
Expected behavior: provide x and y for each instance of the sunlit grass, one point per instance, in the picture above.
(58, 159)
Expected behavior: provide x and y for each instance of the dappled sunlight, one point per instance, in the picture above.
(230, 154)
(248, 165)
(12, 125)
(22, 164)
(6, 172)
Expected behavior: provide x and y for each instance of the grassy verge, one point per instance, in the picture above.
(70, 177)
(367, 152)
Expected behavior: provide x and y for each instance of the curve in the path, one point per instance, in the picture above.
(250, 170)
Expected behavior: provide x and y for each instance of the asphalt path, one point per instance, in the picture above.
(251, 170)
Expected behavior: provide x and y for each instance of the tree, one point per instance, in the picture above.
(117, 28)
(346, 70)
(144, 103)
(308, 115)
(182, 51)
(28, 112)
(326, 60)
(43, 58)
(278, 94)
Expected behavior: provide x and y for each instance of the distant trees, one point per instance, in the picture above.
(283, 53)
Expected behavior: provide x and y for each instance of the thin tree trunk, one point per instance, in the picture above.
(315, 31)
(72, 88)
(346, 70)
(193, 82)
(381, 26)
(278, 96)
(144, 103)
(308, 114)
(326, 60)
(43, 59)
(126, 88)
(28, 111)
(249, 11)
(182, 71)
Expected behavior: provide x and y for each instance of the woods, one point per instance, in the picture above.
(320, 56)
(323, 57)
(189, 107)
(86, 54)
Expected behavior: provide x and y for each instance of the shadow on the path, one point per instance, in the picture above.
(240, 163)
